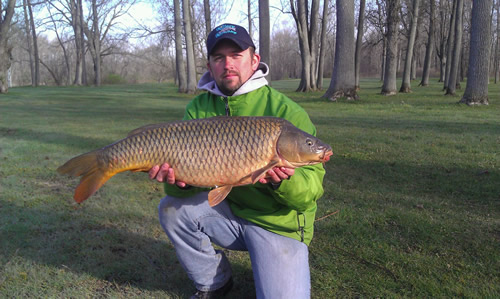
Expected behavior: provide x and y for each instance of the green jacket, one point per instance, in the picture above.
(288, 210)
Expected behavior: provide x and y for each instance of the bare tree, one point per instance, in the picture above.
(359, 42)
(191, 63)
(264, 32)
(307, 30)
(497, 41)
(430, 45)
(323, 45)
(343, 83)
(208, 18)
(476, 91)
(179, 58)
(450, 44)
(406, 83)
(457, 45)
(389, 86)
(5, 48)
(29, 42)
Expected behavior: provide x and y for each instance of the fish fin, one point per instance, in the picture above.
(93, 177)
(256, 175)
(217, 195)
(145, 128)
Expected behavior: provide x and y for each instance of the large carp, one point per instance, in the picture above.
(220, 152)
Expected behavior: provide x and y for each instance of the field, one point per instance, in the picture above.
(411, 205)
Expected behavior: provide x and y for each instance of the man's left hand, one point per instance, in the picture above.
(277, 174)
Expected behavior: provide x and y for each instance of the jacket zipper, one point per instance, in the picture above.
(301, 224)
(226, 102)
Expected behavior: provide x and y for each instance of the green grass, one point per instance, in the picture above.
(412, 194)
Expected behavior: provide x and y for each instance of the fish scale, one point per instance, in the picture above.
(219, 151)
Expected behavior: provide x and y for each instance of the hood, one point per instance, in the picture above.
(257, 80)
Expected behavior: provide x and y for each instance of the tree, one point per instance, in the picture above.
(307, 30)
(179, 58)
(476, 91)
(406, 83)
(103, 18)
(389, 86)
(208, 18)
(449, 45)
(191, 63)
(5, 47)
(343, 83)
(430, 45)
(264, 32)
(29, 42)
(323, 45)
(359, 42)
(455, 62)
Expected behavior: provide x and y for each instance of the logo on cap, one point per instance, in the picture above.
(224, 29)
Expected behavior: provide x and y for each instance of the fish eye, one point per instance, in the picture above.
(309, 142)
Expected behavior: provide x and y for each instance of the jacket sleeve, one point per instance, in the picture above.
(305, 186)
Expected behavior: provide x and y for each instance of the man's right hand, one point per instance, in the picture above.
(165, 173)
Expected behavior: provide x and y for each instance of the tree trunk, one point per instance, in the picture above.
(308, 32)
(359, 43)
(450, 44)
(249, 17)
(191, 63)
(208, 19)
(343, 83)
(391, 59)
(35, 44)
(430, 46)
(5, 47)
(82, 49)
(323, 45)
(179, 58)
(497, 60)
(30, 47)
(476, 91)
(455, 63)
(77, 29)
(96, 41)
(406, 83)
(264, 32)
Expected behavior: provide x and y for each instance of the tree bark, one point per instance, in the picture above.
(406, 83)
(308, 44)
(343, 83)
(179, 58)
(430, 45)
(497, 60)
(264, 32)
(321, 58)
(359, 42)
(191, 63)
(391, 59)
(29, 41)
(449, 45)
(476, 91)
(208, 18)
(455, 63)
(5, 47)
(35, 44)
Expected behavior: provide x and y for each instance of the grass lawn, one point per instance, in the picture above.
(411, 205)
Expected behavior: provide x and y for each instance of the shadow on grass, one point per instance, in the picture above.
(84, 244)
(403, 124)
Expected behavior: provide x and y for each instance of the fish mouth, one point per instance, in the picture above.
(327, 153)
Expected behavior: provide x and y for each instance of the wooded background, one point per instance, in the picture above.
(77, 42)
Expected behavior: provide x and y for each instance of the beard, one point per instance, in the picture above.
(229, 87)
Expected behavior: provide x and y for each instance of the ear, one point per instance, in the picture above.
(255, 61)
(209, 68)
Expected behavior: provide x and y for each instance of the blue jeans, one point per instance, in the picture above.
(280, 264)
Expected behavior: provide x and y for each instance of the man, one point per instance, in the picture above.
(272, 219)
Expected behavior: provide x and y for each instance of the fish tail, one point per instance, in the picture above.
(93, 176)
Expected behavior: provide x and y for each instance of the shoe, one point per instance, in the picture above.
(219, 293)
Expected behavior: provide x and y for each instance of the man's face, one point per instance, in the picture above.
(230, 66)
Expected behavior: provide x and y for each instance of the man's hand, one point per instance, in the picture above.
(277, 174)
(164, 173)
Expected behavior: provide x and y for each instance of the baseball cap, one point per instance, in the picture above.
(236, 33)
